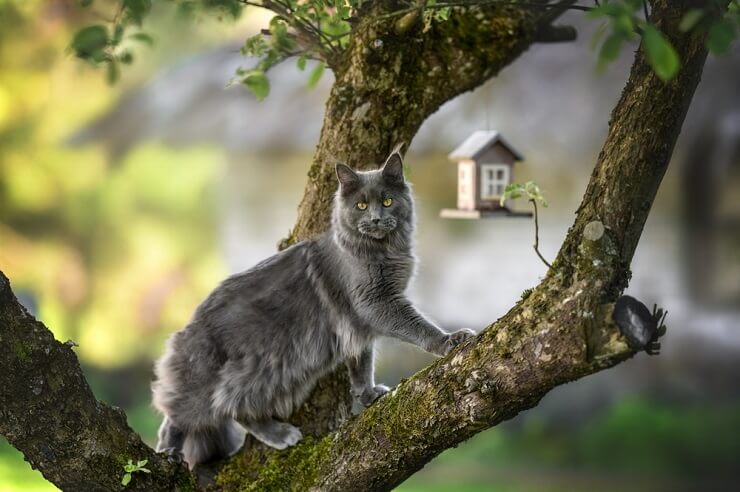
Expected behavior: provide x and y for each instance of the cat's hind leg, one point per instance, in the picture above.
(278, 435)
(170, 437)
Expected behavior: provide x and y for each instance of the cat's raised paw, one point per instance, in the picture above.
(455, 339)
(369, 396)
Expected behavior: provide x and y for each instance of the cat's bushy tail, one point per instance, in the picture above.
(200, 445)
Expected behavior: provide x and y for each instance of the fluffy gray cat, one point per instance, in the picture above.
(257, 345)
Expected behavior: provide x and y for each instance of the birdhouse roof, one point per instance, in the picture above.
(480, 141)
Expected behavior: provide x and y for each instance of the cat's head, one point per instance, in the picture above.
(374, 204)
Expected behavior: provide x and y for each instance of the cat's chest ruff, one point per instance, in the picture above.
(389, 271)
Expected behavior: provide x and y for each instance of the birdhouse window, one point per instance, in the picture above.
(494, 179)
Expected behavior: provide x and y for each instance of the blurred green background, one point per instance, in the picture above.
(122, 206)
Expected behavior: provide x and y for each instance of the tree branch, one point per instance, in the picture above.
(48, 412)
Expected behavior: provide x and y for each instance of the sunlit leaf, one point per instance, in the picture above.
(301, 62)
(90, 41)
(142, 37)
(691, 19)
(610, 49)
(721, 35)
(316, 74)
(113, 73)
(257, 82)
(136, 10)
(660, 53)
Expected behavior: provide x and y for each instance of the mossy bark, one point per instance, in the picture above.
(48, 411)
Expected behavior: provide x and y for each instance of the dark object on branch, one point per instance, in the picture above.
(640, 327)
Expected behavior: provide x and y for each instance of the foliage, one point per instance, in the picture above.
(83, 237)
(530, 190)
(627, 20)
(319, 30)
(131, 468)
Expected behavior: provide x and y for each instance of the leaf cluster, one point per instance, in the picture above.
(530, 190)
(107, 44)
(309, 29)
(628, 20)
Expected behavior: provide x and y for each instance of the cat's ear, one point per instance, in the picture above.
(393, 167)
(349, 181)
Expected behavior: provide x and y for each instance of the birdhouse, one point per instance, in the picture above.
(485, 163)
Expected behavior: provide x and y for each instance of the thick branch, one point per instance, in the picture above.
(48, 412)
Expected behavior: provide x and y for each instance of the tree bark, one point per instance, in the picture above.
(48, 412)
(560, 331)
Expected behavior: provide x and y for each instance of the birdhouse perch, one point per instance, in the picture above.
(485, 162)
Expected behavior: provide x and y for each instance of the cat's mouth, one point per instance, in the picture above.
(379, 229)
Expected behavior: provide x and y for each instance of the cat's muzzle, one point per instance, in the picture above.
(377, 228)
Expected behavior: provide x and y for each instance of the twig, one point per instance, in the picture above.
(537, 234)
(472, 3)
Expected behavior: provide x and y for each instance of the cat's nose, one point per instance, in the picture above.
(376, 221)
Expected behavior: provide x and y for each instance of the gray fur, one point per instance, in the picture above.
(256, 346)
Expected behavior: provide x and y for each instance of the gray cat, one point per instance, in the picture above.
(256, 346)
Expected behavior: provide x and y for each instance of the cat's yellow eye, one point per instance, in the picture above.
(361, 205)
(387, 202)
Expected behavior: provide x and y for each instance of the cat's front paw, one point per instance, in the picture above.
(369, 396)
(453, 340)
(174, 455)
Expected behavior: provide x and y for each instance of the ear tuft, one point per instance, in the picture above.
(349, 181)
(393, 168)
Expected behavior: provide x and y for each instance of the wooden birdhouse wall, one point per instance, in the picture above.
(494, 170)
(467, 185)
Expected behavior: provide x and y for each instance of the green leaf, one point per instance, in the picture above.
(316, 74)
(624, 24)
(85, 3)
(301, 62)
(141, 463)
(126, 479)
(90, 41)
(142, 37)
(137, 9)
(257, 82)
(113, 73)
(690, 19)
(126, 58)
(721, 35)
(117, 34)
(598, 35)
(660, 53)
(610, 49)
